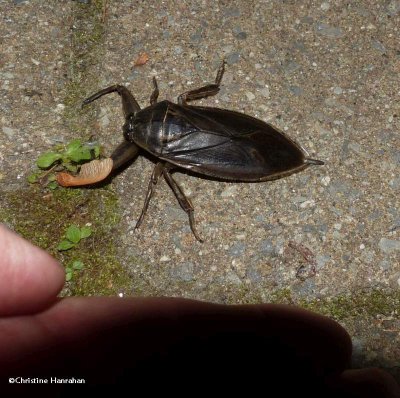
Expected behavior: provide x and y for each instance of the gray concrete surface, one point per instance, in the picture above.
(325, 72)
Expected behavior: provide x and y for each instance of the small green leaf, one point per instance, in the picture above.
(32, 178)
(80, 154)
(47, 159)
(51, 177)
(96, 151)
(73, 234)
(68, 269)
(65, 245)
(71, 167)
(68, 276)
(52, 185)
(73, 146)
(86, 232)
(78, 265)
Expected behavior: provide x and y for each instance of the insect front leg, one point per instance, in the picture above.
(183, 201)
(205, 91)
(157, 171)
(123, 153)
(129, 104)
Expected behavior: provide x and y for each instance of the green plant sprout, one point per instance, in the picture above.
(71, 269)
(73, 236)
(69, 157)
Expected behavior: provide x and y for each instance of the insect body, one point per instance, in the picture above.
(209, 141)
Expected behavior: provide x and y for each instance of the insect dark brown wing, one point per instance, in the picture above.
(228, 145)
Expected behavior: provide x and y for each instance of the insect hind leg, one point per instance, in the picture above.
(205, 91)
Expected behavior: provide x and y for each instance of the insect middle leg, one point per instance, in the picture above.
(157, 171)
(205, 91)
(183, 201)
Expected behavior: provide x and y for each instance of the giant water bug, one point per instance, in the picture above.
(217, 143)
